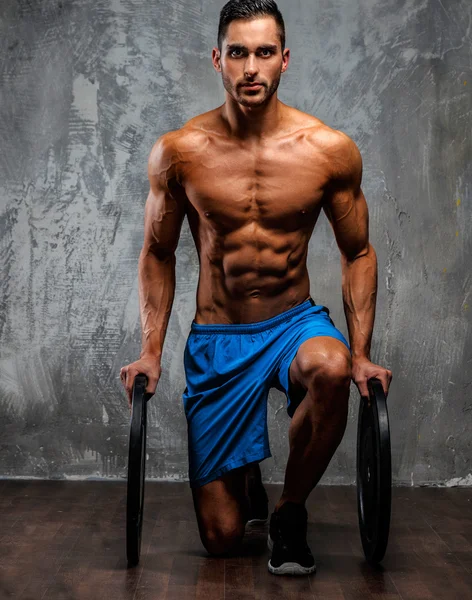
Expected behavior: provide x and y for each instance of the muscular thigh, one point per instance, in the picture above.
(220, 505)
(317, 354)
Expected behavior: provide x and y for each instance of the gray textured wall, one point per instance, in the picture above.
(87, 86)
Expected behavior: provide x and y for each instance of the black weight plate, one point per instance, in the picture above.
(374, 472)
(136, 470)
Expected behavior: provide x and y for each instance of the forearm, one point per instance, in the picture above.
(359, 287)
(156, 295)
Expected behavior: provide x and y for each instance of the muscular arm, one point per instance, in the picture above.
(163, 216)
(346, 209)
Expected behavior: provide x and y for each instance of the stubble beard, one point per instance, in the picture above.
(267, 92)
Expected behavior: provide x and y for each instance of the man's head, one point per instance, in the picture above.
(249, 9)
(251, 49)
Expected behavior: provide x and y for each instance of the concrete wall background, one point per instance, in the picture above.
(87, 86)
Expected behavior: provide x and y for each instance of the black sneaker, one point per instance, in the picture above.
(287, 541)
(258, 503)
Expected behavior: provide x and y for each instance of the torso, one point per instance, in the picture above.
(252, 208)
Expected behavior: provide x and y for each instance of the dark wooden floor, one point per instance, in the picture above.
(66, 540)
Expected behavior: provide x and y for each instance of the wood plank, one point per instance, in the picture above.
(62, 540)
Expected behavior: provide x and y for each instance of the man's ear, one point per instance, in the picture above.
(285, 59)
(216, 59)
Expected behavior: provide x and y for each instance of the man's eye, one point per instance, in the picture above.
(234, 51)
(266, 52)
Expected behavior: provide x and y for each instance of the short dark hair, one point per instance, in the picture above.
(249, 9)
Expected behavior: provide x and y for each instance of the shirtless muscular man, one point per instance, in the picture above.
(252, 177)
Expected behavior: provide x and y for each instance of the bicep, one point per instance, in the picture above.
(165, 206)
(346, 209)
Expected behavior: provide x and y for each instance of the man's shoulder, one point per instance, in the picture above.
(187, 138)
(326, 137)
(178, 140)
(343, 159)
(341, 151)
(320, 135)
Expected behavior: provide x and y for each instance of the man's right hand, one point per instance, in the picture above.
(148, 365)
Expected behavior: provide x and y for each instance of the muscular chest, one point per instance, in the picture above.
(279, 187)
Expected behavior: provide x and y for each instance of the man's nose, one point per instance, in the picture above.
(250, 68)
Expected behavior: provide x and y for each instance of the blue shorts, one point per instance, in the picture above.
(229, 371)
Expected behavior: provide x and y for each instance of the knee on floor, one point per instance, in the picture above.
(221, 539)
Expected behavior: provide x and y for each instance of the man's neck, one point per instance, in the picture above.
(252, 122)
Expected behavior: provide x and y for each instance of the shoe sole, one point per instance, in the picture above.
(288, 568)
(258, 521)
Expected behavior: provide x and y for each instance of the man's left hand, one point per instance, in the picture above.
(363, 370)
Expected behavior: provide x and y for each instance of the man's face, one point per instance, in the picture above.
(251, 53)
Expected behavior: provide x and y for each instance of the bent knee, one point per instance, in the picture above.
(222, 539)
(330, 366)
(336, 370)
